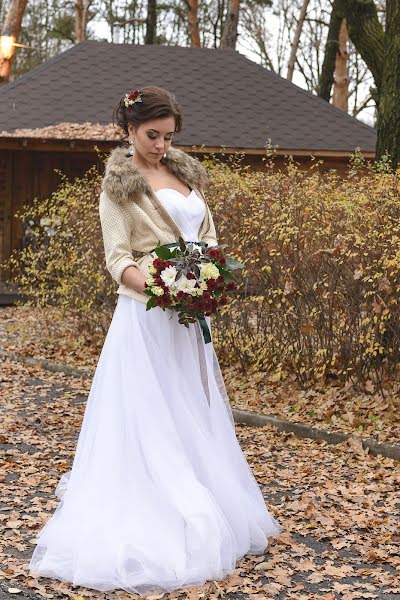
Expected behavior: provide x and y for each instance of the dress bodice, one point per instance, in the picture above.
(188, 212)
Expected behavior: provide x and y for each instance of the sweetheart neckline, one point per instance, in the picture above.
(173, 190)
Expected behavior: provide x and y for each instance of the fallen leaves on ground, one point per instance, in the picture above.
(328, 407)
(35, 332)
(339, 506)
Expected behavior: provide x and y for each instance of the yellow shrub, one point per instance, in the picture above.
(318, 297)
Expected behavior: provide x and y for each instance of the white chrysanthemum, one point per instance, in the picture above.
(168, 275)
(209, 270)
(185, 285)
(158, 291)
(152, 270)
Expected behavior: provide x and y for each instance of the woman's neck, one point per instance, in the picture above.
(143, 165)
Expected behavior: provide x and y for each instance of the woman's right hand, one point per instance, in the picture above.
(133, 278)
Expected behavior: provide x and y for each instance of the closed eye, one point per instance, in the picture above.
(152, 136)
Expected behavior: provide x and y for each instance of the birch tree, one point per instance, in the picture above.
(341, 75)
(296, 39)
(9, 35)
(230, 32)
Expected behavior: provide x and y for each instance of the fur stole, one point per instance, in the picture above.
(123, 182)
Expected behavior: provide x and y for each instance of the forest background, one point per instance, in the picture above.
(265, 31)
(345, 51)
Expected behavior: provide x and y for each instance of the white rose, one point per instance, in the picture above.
(150, 281)
(158, 291)
(209, 270)
(203, 286)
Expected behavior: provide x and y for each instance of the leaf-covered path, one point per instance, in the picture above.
(340, 507)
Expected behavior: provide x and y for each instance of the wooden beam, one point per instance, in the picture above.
(73, 146)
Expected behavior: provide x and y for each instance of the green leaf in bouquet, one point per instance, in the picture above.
(162, 252)
(232, 264)
(182, 244)
(196, 271)
(151, 303)
(226, 274)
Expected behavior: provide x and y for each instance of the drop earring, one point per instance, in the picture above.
(131, 147)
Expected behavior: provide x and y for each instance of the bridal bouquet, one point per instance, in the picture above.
(192, 279)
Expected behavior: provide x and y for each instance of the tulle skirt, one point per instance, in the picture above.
(160, 495)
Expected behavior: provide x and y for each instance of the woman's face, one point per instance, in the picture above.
(153, 137)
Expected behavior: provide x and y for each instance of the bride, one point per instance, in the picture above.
(160, 495)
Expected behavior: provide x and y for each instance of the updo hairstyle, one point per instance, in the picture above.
(156, 103)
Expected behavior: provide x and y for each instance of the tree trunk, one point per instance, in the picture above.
(296, 39)
(193, 20)
(81, 19)
(151, 22)
(341, 76)
(389, 105)
(366, 33)
(229, 37)
(331, 49)
(11, 28)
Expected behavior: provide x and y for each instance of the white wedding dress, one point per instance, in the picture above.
(160, 495)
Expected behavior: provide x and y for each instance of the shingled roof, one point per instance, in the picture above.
(227, 99)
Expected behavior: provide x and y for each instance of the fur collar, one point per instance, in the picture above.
(123, 182)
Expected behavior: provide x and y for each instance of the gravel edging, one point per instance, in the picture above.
(241, 416)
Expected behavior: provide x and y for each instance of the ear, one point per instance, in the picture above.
(131, 129)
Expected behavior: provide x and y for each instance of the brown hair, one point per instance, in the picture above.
(156, 103)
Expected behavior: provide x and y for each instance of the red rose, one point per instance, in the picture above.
(213, 253)
(157, 263)
(167, 300)
(212, 284)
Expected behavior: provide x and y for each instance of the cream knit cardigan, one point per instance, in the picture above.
(133, 219)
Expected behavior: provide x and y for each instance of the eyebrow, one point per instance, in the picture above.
(168, 132)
